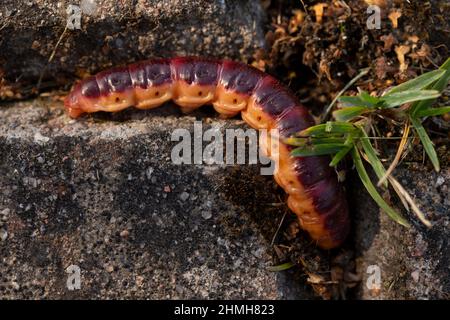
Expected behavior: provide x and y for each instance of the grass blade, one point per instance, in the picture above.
(326, 112)
(327, 140)
(349, 142)
(297, 142)
(301, 142)
(373, 191)
(328, 128)
(374, 161)
(426, 142)
(353, 101)
(400, 98)
(421, 82)
(349, 113)
(318, 150)
(438, 85)
(340, 155)
(281, 267)
(433, 112)
(366, 97)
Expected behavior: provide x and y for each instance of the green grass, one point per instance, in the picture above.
(411, 102)
(281, 267)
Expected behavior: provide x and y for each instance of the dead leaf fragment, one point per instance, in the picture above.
(423, 54)
(394, 16)
(315, 278)
(401, 51)
(380, 3)
(413, 38)
(318, 10)
(381, 67)
(296, 21)
(324, 68)
(389, 40)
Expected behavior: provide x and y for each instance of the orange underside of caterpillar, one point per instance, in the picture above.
(327, 225)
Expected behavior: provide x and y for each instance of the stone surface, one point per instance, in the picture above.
(102, 193)
(117, 32)
(414, 263)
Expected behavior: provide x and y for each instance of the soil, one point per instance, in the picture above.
(317, 47)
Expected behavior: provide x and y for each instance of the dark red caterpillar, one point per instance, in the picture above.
(315, 195)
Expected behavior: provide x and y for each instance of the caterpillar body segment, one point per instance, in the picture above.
(314, 194)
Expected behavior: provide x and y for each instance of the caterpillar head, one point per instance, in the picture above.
(73, 104)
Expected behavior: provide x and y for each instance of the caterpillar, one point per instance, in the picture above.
(314, 193)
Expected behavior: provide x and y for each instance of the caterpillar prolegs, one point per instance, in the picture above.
(315, 195)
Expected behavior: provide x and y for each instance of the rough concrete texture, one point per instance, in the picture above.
(103, 194)
(117, 32)
(415, 262)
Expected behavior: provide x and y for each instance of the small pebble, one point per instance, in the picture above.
(88, 7)
(415, 275)
(440, 181)
(4, 215)
(149, 172)
(15, 285)
(3, 235)
(139, 280)
(5, 212)
(206, 215)
(40, 139)
(184, 196)
(109, 268)
(124, 234)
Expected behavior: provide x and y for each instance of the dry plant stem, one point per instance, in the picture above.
(400, 191)
(398, 155)
(405, 195)
(52, 55)
(278, 229)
